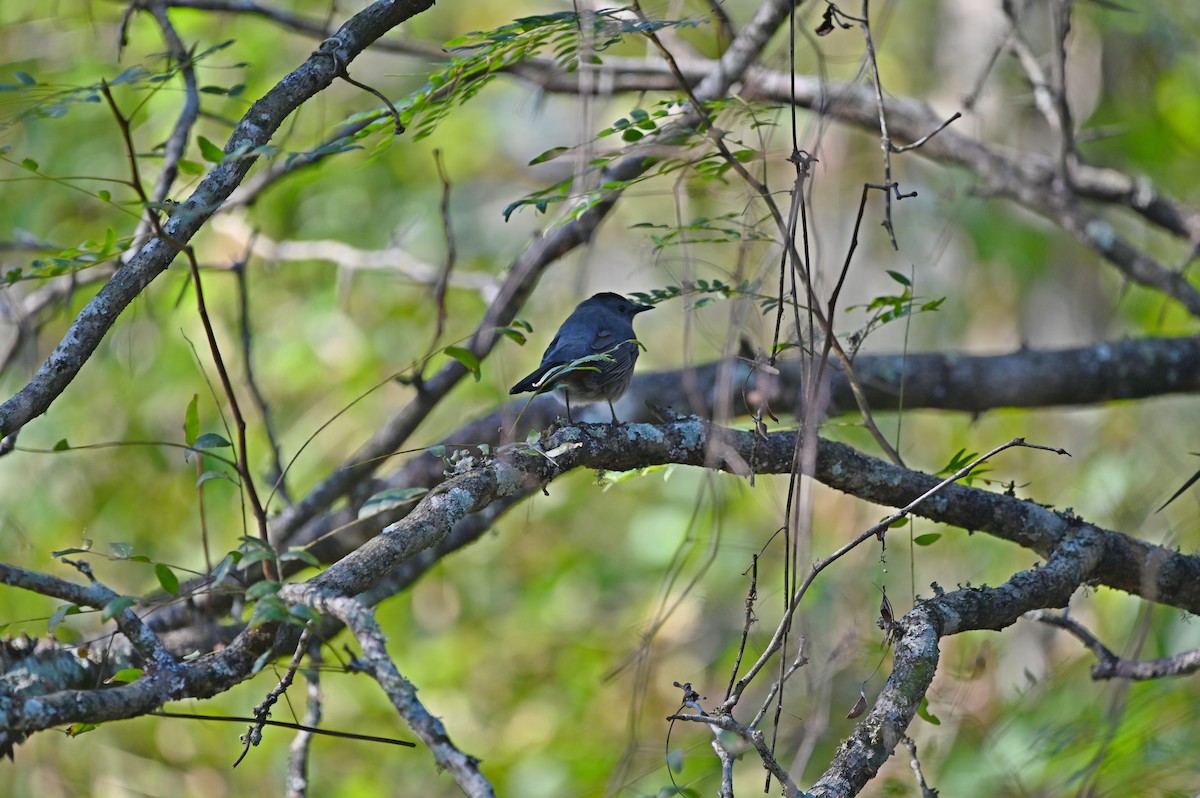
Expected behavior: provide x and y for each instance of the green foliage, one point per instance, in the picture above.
(467, 358)
(709, 166)
(724, 229)
(711, 291)
(960, 460)
(68, 261)
(482, 55)
(590, 568)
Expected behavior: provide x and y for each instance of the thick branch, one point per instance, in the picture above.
(1153, 572)
(359, 619)
(861, 755)
(1082, 376)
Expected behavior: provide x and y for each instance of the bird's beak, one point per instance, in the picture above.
(639, 308)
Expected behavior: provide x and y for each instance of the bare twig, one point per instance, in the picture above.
(860, 755)
(277, 476)
(876, 530)
(301, 748)
(270, 569)
(403, 695)
(262, 712)
(1111, 666)
(755, 737)
(915, 764)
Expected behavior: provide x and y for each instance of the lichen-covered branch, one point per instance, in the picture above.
(915, 661)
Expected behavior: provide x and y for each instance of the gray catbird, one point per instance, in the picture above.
(600, 329)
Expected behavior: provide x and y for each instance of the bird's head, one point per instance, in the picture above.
(615, 303)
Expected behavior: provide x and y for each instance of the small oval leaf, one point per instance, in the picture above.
(386, 500)
(211, 440)
(467, 358)
(167, 579)
(124, 676)
(117, 606)
(209, 151)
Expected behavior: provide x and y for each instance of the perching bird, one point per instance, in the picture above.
(601, 330)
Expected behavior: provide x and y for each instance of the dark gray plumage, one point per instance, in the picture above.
(601, 325)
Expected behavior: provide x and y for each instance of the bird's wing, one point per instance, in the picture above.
(616, 345)
(604, 340)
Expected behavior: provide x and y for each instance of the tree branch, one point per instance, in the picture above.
(860, 756)
(252, 132)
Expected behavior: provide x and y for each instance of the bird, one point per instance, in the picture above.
(592, 355)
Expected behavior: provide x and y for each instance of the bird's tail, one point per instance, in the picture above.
(530, 384)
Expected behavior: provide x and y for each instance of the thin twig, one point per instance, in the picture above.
(239, 269)
(302, 727)
(876, 530)
(915, 764)
(262, 712)
(270, 568)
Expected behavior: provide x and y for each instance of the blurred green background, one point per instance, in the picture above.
(549, 648)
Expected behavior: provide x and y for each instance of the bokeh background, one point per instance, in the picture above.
(549, 648)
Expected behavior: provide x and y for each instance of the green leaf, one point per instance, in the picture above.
(224, 567)
(191, 167)
(25, 78)
(167, 579)
(191, 421)
(125, 675)
(249, 543)
(254, 550)
(437, 451)
(211, 440)
(252, 557)
(62, 445)
(29, 164)
(933, 304)
(260, 589)
(59, 615)
(303, 555)
(104, 196)
(304, 614)
(467, 358)
(117, 606)
(927, 539)
(386, 500)
(549, 155)
(929, 717)
(121, 550)
(269, 609)
(207, 475)
(900, 278)
(515, 335)
(76, 729)
(209, 151)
